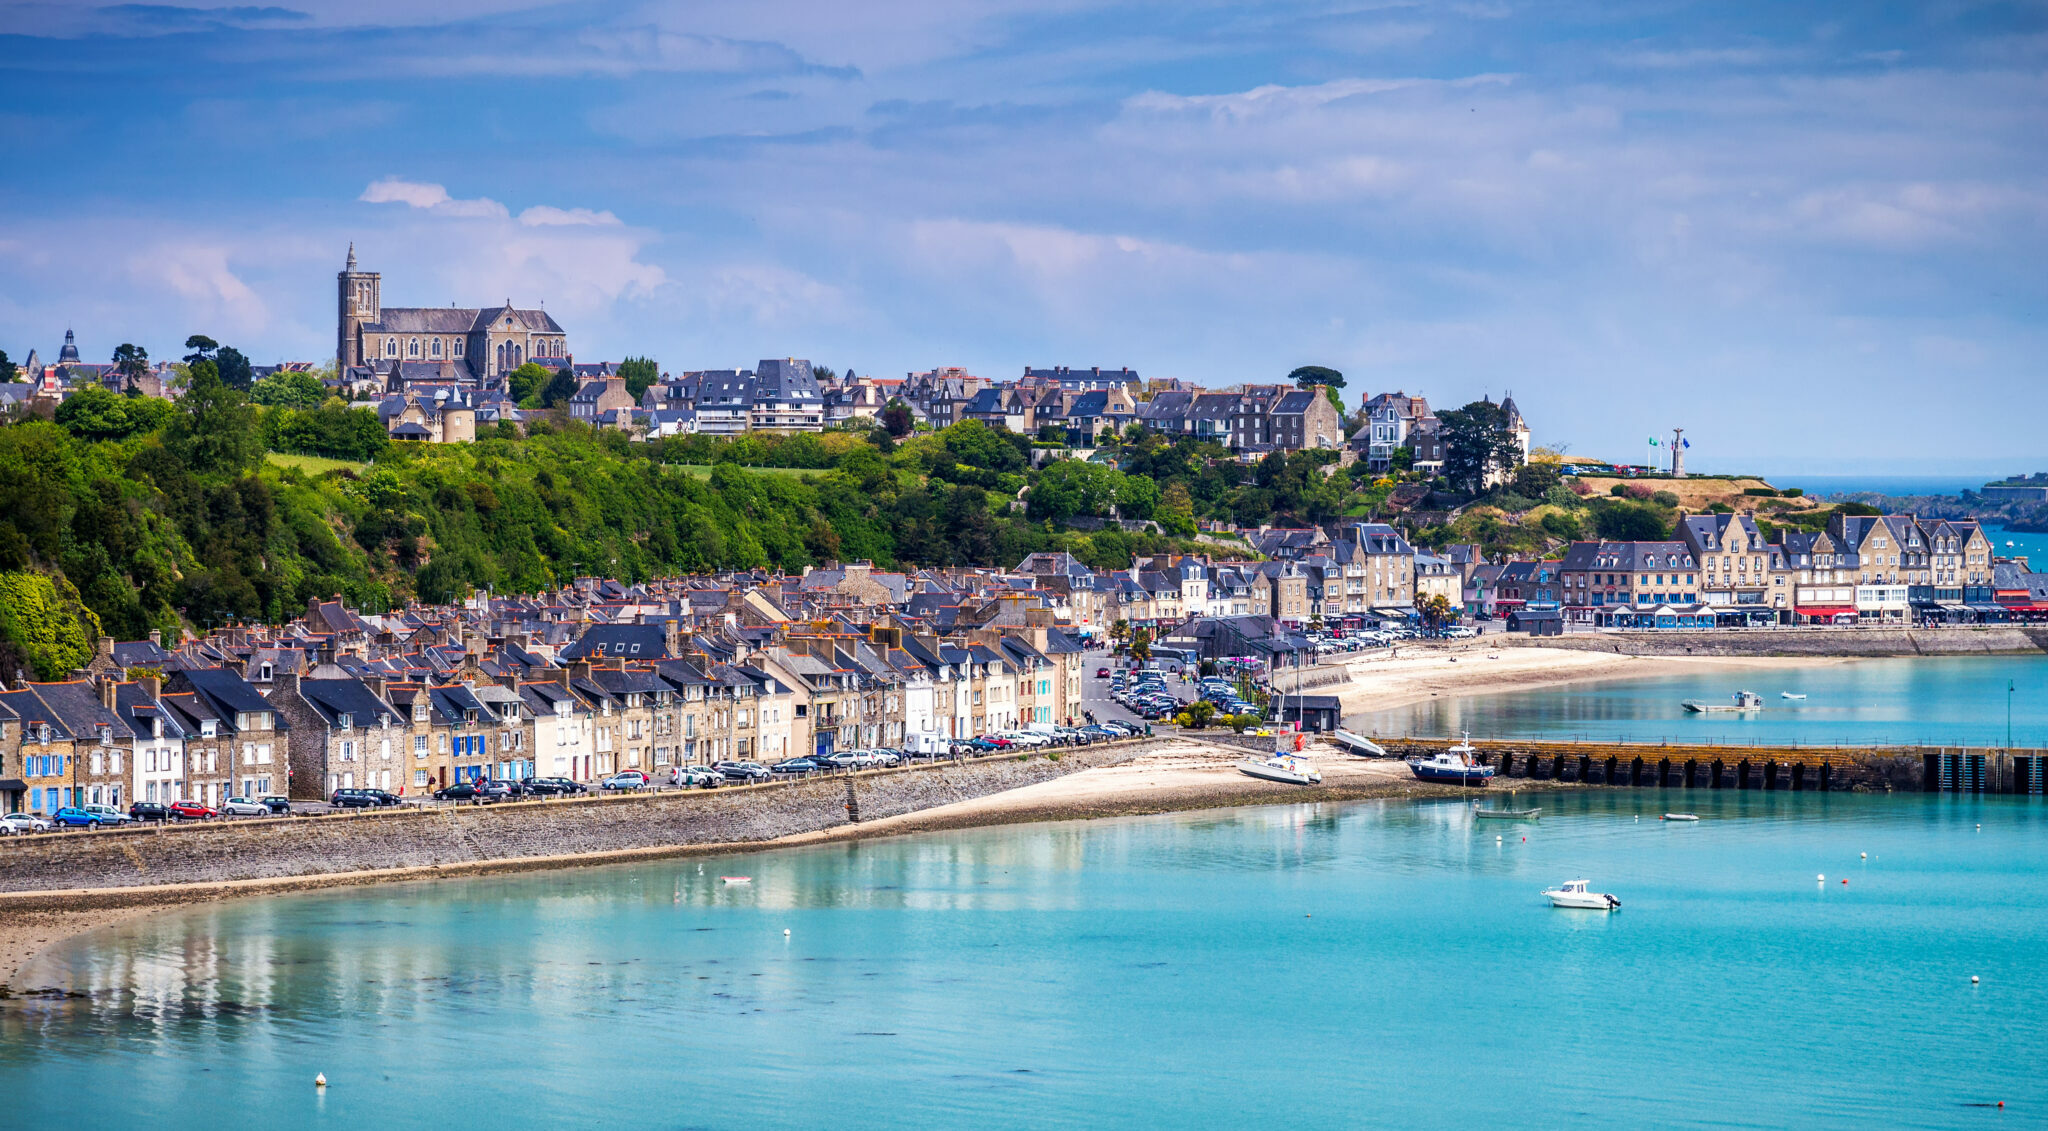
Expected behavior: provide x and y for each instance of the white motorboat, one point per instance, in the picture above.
(1744, 701)
(1791, 694)
(1282, 768)
(1358, 744)
(1573, 894)
(1679, 817)
(737, 879)
(1458, 766)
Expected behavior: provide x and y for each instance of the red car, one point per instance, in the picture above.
(191, 811)
(1101, 673)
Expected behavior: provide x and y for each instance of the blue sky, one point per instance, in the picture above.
(1804, 232)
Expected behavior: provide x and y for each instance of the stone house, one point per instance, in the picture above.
(249, 735)
(344, 732)
(47, 773)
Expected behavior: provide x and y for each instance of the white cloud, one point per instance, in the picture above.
(542, 216)
(200, 274)
(434, 198)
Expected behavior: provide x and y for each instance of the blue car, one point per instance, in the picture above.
(796, 766)
(70, 817)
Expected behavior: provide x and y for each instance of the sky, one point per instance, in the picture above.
(1810, 234)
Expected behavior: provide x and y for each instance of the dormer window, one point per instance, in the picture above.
(106, 735)
(208, 727)
(343, 720)
(263, 672)
(43, 734)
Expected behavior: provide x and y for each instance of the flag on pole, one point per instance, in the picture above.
(1686, 443)
(1653, 441)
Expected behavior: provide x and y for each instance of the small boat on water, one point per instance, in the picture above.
(1458, 766)
(737, 879)
(1679, 817)
(1282, 768)
(1358, 744)
(1573, 894)
(1744, 701)
(1792, 694)
(1506, 814)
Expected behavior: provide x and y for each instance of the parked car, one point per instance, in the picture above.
(837, 760)
(491, 790)
(796, 767)
(624, 780)
(361, 798)
(149, 811)
(109, 815)
(189, 810)
(243, 807)
(744, 771)
(460, 791)
(1101, 673)
(23, 823)
(544, 787)
(280, 806)
(72, 817)
(699, 777)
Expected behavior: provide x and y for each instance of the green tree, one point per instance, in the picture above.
(235, 371)
(525, 384)
(1309, 376)
(1534, 480)
(559, 389)
(897, 419)
(289, 388)
(215, 429)
(46, 624)
(640, 373)
(1631, 522)
(1197, 715)
(1141, 643)
(96, 413)
(1477, 441)
(202, 348)
(9, 372)
(132, 363)
(1176, 513)
(1436, 610)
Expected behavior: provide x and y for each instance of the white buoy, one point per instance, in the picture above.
(785, 932)
(1865, 855)
(1973, 979)
(320, 1081)
(1823, 877)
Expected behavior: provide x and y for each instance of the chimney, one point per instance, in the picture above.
(109, 687)
(156, 636)
(381, 686)
(672, 633)
(107, 649)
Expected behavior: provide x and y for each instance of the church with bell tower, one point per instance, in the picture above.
(468, 344)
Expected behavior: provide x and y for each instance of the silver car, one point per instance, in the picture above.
(243, 807)
(23, 823)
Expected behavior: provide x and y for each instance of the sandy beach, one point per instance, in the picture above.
(1415, 673)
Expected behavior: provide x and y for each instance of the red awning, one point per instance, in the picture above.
(1824, 610)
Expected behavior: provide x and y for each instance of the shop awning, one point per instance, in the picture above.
(1824, 610)
(13, 785)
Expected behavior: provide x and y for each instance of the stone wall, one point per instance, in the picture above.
(362, 840)
(1953, 641)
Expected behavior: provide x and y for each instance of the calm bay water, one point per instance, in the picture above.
(1326, 966)
(1934, 702)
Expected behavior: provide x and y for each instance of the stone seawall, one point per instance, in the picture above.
(365, 841)
(1985, 640)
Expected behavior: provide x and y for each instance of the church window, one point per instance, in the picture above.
(412, 348)
(436, 348)
(458, 347)
(391, 347)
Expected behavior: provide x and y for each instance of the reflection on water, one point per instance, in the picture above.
(1935, 702)
(1130, 973)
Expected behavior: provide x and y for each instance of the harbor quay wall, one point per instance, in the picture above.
(1952, 640)
(456, 835)
(1835, 768)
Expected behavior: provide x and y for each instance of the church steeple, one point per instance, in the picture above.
(69, 354)
(351, 256)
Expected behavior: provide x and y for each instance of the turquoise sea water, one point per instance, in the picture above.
(1351, 965)
(1933, 702)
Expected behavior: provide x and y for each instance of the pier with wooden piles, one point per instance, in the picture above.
(1796, 768)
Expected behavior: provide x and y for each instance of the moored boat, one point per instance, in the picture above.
(1791, 694)
(1506, 814)
(1573, 894)
(1744, 701)
(1282, 768)
(1679, 817)
(1358, 744)
(1457, 766)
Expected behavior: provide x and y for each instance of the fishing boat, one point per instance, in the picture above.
(1458, 766)
(1679, 817)
(1281, 768)
(1744, 701)
(1791, 694)
(1573, 894)
(737, 879)
(1506, 814)
(1358, 744)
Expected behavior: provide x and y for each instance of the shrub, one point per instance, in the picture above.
(1664, 499)
(1793, 492)
(1618, 490)
(1760, 492)
(1636, 490)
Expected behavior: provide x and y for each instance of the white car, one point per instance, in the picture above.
(243, 807)
(23, 823)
